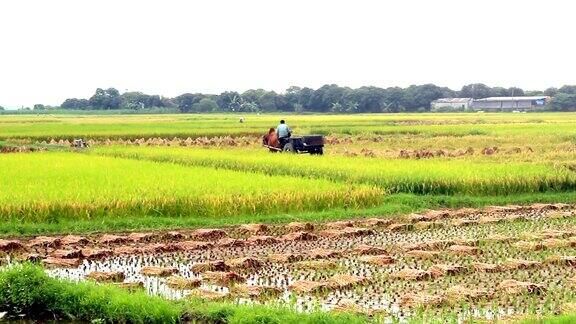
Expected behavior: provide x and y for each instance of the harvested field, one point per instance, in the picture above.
(106, 276)
(406, 217)
(375, 270)
(177, 282)
(257, 291)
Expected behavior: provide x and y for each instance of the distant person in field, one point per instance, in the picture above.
(284, 132)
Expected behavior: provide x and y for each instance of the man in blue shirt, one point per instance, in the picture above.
(284, 132)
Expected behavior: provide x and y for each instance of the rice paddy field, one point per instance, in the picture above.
(405, 218)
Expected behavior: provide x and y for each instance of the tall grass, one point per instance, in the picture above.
(52, 186)
(438, 176)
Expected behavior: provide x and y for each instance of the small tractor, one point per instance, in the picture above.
(313, 144)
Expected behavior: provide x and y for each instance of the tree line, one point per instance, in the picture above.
(328, 98)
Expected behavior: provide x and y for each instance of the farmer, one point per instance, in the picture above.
(271, 140)
(284, 132)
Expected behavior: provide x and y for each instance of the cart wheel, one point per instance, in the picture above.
(289, 148)
(319, 151)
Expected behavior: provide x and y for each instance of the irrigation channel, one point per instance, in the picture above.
(486, 263)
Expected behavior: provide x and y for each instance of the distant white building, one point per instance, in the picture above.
(510, 103)
(452, 103)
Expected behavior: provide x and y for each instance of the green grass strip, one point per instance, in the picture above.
(27, 292)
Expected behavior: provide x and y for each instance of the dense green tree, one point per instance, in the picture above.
(327, 98)
(296, 99)
(419, 97)
(551, 92)
(105, 99)
(316, 102)
(298, 108)
(185, 101)
(292, 95)
(253, 95)
(139, 100)
(499, 92)
(205, 105)
(368, 99)
(167, 102)
(229, 101)
(338, 108)
(449, 93)
(515, 92)
(74, 103)
(570, 89)
(345, 101)
(305, 95)
(564, 102)
(282, 103)
(534, 93)
(249, 106)
(267, 101)
(323, 98)
(476, 91)
(393, 100)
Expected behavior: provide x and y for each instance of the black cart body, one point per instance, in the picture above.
(313, 144)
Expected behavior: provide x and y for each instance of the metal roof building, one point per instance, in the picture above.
(455, 103)
(510, 103)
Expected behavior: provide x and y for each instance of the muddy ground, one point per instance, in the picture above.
(498, 261)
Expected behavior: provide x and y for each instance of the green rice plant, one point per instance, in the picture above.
(437, 176)
(52, 186)
(45, 127)
(389, 206)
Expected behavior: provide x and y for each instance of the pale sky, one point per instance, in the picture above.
(53, 50)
